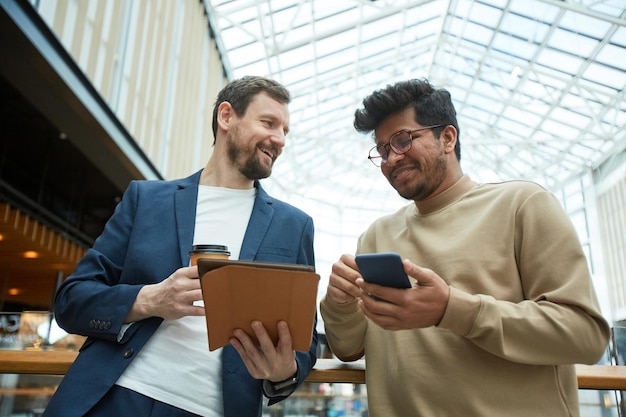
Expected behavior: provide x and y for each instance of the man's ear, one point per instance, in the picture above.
(225, 114)
(448, 138)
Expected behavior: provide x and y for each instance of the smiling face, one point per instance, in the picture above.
(256, 139)
(422, 172)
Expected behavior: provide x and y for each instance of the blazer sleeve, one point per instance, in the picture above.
(90, 302)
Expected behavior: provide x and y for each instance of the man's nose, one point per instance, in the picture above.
(279, 138)
(393, 158)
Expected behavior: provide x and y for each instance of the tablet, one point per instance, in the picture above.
(208, 264)
(236, 293)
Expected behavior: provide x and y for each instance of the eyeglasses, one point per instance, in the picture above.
(400, 142)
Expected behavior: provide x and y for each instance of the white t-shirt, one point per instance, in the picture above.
(175, 366)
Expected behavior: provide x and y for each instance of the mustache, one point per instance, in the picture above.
(272, 149)
(392, 171)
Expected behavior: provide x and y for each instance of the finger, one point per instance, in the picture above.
(421, 275)
(346, 268)
(386, 321)
(341, 287)
(190, 271)
(348, 260)
(191, 296)
(235, 342)
(193, 310)
(370, 289)
(284, 336)
(378, 305)
(265, 341)
(246, 341)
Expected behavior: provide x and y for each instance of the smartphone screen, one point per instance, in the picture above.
(383, 269)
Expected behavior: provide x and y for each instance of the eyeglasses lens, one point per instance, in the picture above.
(401, 142)
(382, 152)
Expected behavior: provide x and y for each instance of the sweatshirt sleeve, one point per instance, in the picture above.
(559, 320)
(345, 327)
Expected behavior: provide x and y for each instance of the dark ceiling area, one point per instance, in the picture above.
(65, 160)
(42, 172)
(45, 177)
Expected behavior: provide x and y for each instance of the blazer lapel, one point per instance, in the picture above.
(185, 202)
(259, 223)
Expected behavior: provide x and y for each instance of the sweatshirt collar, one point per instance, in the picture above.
(444, 199)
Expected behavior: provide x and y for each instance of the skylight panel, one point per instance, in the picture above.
(338, 42)
(607, 76)
(257, 68)
(478, 113)
(488, 88)
(244, 55)
(297, 34)
(477, 99)
(461, 83)
(235, 37)
(385, 26)
(461, 60)
(560, 61)
(525, 117)
(613, 8)
(513, 127)
(586, 25)
(237, 14)
(296, 74)
(573, 43)
(377, 48)
(328, 13)
(535, 10)
(583, 152)
(524, 27)
(515, 47)
(552, 80)
(569, 117)
(297, 56)
(619, 37)
(614, 56)
(284, 15)
(559, 129)
(485, 15)
(576, 103)
(477, 33)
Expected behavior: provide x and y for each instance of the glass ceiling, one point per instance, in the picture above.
(539, 88)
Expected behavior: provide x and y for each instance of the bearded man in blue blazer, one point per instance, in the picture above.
(135, 296)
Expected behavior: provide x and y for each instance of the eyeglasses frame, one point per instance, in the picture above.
(388, 146)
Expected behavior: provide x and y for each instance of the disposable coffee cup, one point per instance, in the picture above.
(208, 251)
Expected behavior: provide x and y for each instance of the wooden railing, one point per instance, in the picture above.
(57, 362)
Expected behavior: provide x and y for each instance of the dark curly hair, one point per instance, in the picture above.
(432, 107)
(239, 93)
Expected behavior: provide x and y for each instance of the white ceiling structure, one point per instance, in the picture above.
(539, 87)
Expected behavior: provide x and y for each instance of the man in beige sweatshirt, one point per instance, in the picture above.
(502, 304)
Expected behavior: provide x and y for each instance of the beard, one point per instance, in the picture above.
(252, 168)
(433, 177)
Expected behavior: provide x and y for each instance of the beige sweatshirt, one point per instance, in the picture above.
(522, 309)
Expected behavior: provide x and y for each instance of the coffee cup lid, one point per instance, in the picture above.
(210, 248)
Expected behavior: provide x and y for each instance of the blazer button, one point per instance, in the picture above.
(129, 352)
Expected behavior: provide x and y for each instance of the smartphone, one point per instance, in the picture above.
(383, 269)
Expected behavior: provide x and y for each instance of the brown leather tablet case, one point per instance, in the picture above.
(236, 293)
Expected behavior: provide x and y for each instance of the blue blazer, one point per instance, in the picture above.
(148, 237)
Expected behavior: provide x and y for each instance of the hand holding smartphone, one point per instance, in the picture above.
(383, 269)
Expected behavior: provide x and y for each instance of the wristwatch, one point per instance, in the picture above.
(287, 383)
